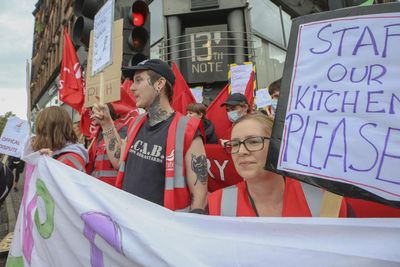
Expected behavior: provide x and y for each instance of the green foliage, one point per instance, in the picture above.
(3, 120)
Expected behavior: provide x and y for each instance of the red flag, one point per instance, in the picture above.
(71, 80)
(218, 115)
(182, 94)
(249, 93)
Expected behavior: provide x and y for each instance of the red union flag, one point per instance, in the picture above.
(71, 80)
(182, 95)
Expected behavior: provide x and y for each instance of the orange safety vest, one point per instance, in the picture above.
(299, 200)
(73, 160)
(100, 165)
(179, 138)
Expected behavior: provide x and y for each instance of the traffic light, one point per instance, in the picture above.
(136, 34)
(85, 10)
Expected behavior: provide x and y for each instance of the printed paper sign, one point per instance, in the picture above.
(197, 93)
(263, 99)
(343, 113)
(13, 137)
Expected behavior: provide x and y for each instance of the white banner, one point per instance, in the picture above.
(343, 114)
(14, 135)
(68, 218)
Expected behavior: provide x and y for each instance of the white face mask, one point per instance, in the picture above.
(234, 115)
(274, 104)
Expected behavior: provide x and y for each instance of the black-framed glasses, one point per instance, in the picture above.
(253, 143)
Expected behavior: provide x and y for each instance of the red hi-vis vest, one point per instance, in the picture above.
(73, 160)
(299, 200)
(179, 138)
(100, 165)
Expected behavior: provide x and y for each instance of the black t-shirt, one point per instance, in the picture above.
(145, 165)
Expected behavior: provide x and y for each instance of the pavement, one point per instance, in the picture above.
(8, 217)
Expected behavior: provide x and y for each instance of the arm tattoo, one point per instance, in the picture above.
(117, 153)
(113, 142)
(199, 167)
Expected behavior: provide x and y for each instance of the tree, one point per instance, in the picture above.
(3, 120)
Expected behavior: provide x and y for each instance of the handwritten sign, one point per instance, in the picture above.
(342, 119)
(102, 43)
(239, 77)
(263, 98)
(13, 137)
(111, 74)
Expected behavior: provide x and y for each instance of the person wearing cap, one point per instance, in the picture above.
(162, 159)
(236, 106)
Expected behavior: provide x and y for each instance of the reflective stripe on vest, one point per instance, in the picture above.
(229, 201)
(313, 197)
(74, 161)
(179, 178)
(102, 157)
(105, 173)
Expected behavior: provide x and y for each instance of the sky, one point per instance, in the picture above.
(16, 31)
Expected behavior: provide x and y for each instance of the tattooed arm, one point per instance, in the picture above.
(113, 142)
(196, 173)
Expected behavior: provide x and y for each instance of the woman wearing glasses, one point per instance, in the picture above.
(261, 193)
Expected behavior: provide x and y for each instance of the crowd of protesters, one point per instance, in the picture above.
(160, 155)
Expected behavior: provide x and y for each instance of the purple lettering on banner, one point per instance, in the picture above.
(386, 154)
(312, 50)
(368, 110)
(372, 41)
(290, 130)
(298, 101)
(27, 237)
(387, 35)
(376, 150)
(315, 136)
(334, 66)
(321, 96)
(342, 124)
(101, 224)
(326, 101)
(312, 100)
(379, 75)
(301, 143)
(362, 78)
(339, 53)
(391, 110)
(354, 103)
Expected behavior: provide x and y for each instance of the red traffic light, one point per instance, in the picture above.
(137, 19)
(139, 13)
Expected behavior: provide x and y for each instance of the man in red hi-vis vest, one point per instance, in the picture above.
(162, 159)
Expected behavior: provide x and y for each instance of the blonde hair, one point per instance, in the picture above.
(266, 121)
(53, 129)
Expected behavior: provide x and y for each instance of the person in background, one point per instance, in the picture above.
(18, 165)
(198, 110)
(236, 106)
(261, 193)
(6, 182)
(163, 159)
(273, 89)
(99, 153)
(55, 137)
